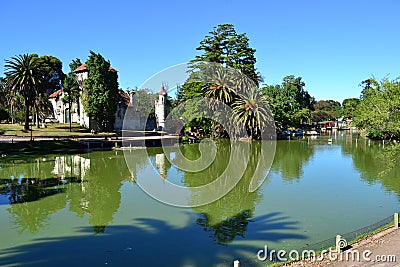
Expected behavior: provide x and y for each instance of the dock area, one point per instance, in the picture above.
(130, 142)
(109, 142)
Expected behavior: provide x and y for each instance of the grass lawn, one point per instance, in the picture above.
(52, 129)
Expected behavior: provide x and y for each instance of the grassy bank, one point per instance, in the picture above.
(23, 149)
(52, 129)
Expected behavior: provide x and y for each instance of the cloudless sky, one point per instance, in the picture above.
(333, 45)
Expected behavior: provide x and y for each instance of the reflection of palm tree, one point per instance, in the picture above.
(133, 245)
(227, 230)
(227, 217)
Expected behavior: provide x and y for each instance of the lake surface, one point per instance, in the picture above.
(87, 209)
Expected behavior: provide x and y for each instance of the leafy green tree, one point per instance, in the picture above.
(350, 107)
(327, 105)
(3, 92)
(290, 103)
(16, 108)
(4, 112)
(71, 87)
(321, 115)
(230, 50)
(100, 97)
(53, 74)
(378, 113)
(370, 87)
(145, 101)
(326, 110)
(52, 78)
(25, 76)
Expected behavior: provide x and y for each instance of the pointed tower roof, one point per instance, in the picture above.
(163, 92)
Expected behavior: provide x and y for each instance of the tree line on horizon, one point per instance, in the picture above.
(30, 79)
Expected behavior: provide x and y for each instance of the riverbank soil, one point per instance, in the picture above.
(381, 249)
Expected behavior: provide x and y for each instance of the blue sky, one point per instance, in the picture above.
(333, 45)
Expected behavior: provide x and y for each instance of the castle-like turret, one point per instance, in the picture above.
(161, 108)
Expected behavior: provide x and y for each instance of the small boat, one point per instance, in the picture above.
(298, 133)
(311, 133)
(330, 141)
(287, 132)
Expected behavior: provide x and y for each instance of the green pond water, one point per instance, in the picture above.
(87, 210)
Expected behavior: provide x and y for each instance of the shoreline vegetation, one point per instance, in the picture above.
(29, 78)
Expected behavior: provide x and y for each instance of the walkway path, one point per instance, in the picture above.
(381, 249)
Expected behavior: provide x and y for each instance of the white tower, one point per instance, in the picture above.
(161, 108)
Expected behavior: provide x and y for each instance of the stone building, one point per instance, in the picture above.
(126, 112)
(61, 109)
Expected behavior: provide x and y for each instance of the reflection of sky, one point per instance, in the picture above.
(171, 77)
(329, 197)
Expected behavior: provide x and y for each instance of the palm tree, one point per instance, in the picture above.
(252, 110)
(24, 76)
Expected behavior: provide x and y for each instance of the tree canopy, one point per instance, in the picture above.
(378, 113)
(225, 46)
(326, 110)
(100, 97)
(71, 88)
(289, 102)
(24, 77)
(235, 63)
(145, 101)
(350, 107)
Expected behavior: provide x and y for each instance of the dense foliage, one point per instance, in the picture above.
(29, 81)
(225, 46)
(71, 88)
(378, 112)
(349, 107)
(100, 98)
(325, 110)
(235, 69)
(289, 102)
(24, 77)
(145, 101)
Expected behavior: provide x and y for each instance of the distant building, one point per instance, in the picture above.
(133, 120)
(161, 108)
(82, 73)
(61, 109)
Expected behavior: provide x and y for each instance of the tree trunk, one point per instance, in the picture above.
(12, 112)
(37, 118)
(26, 126)
(70, 117)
